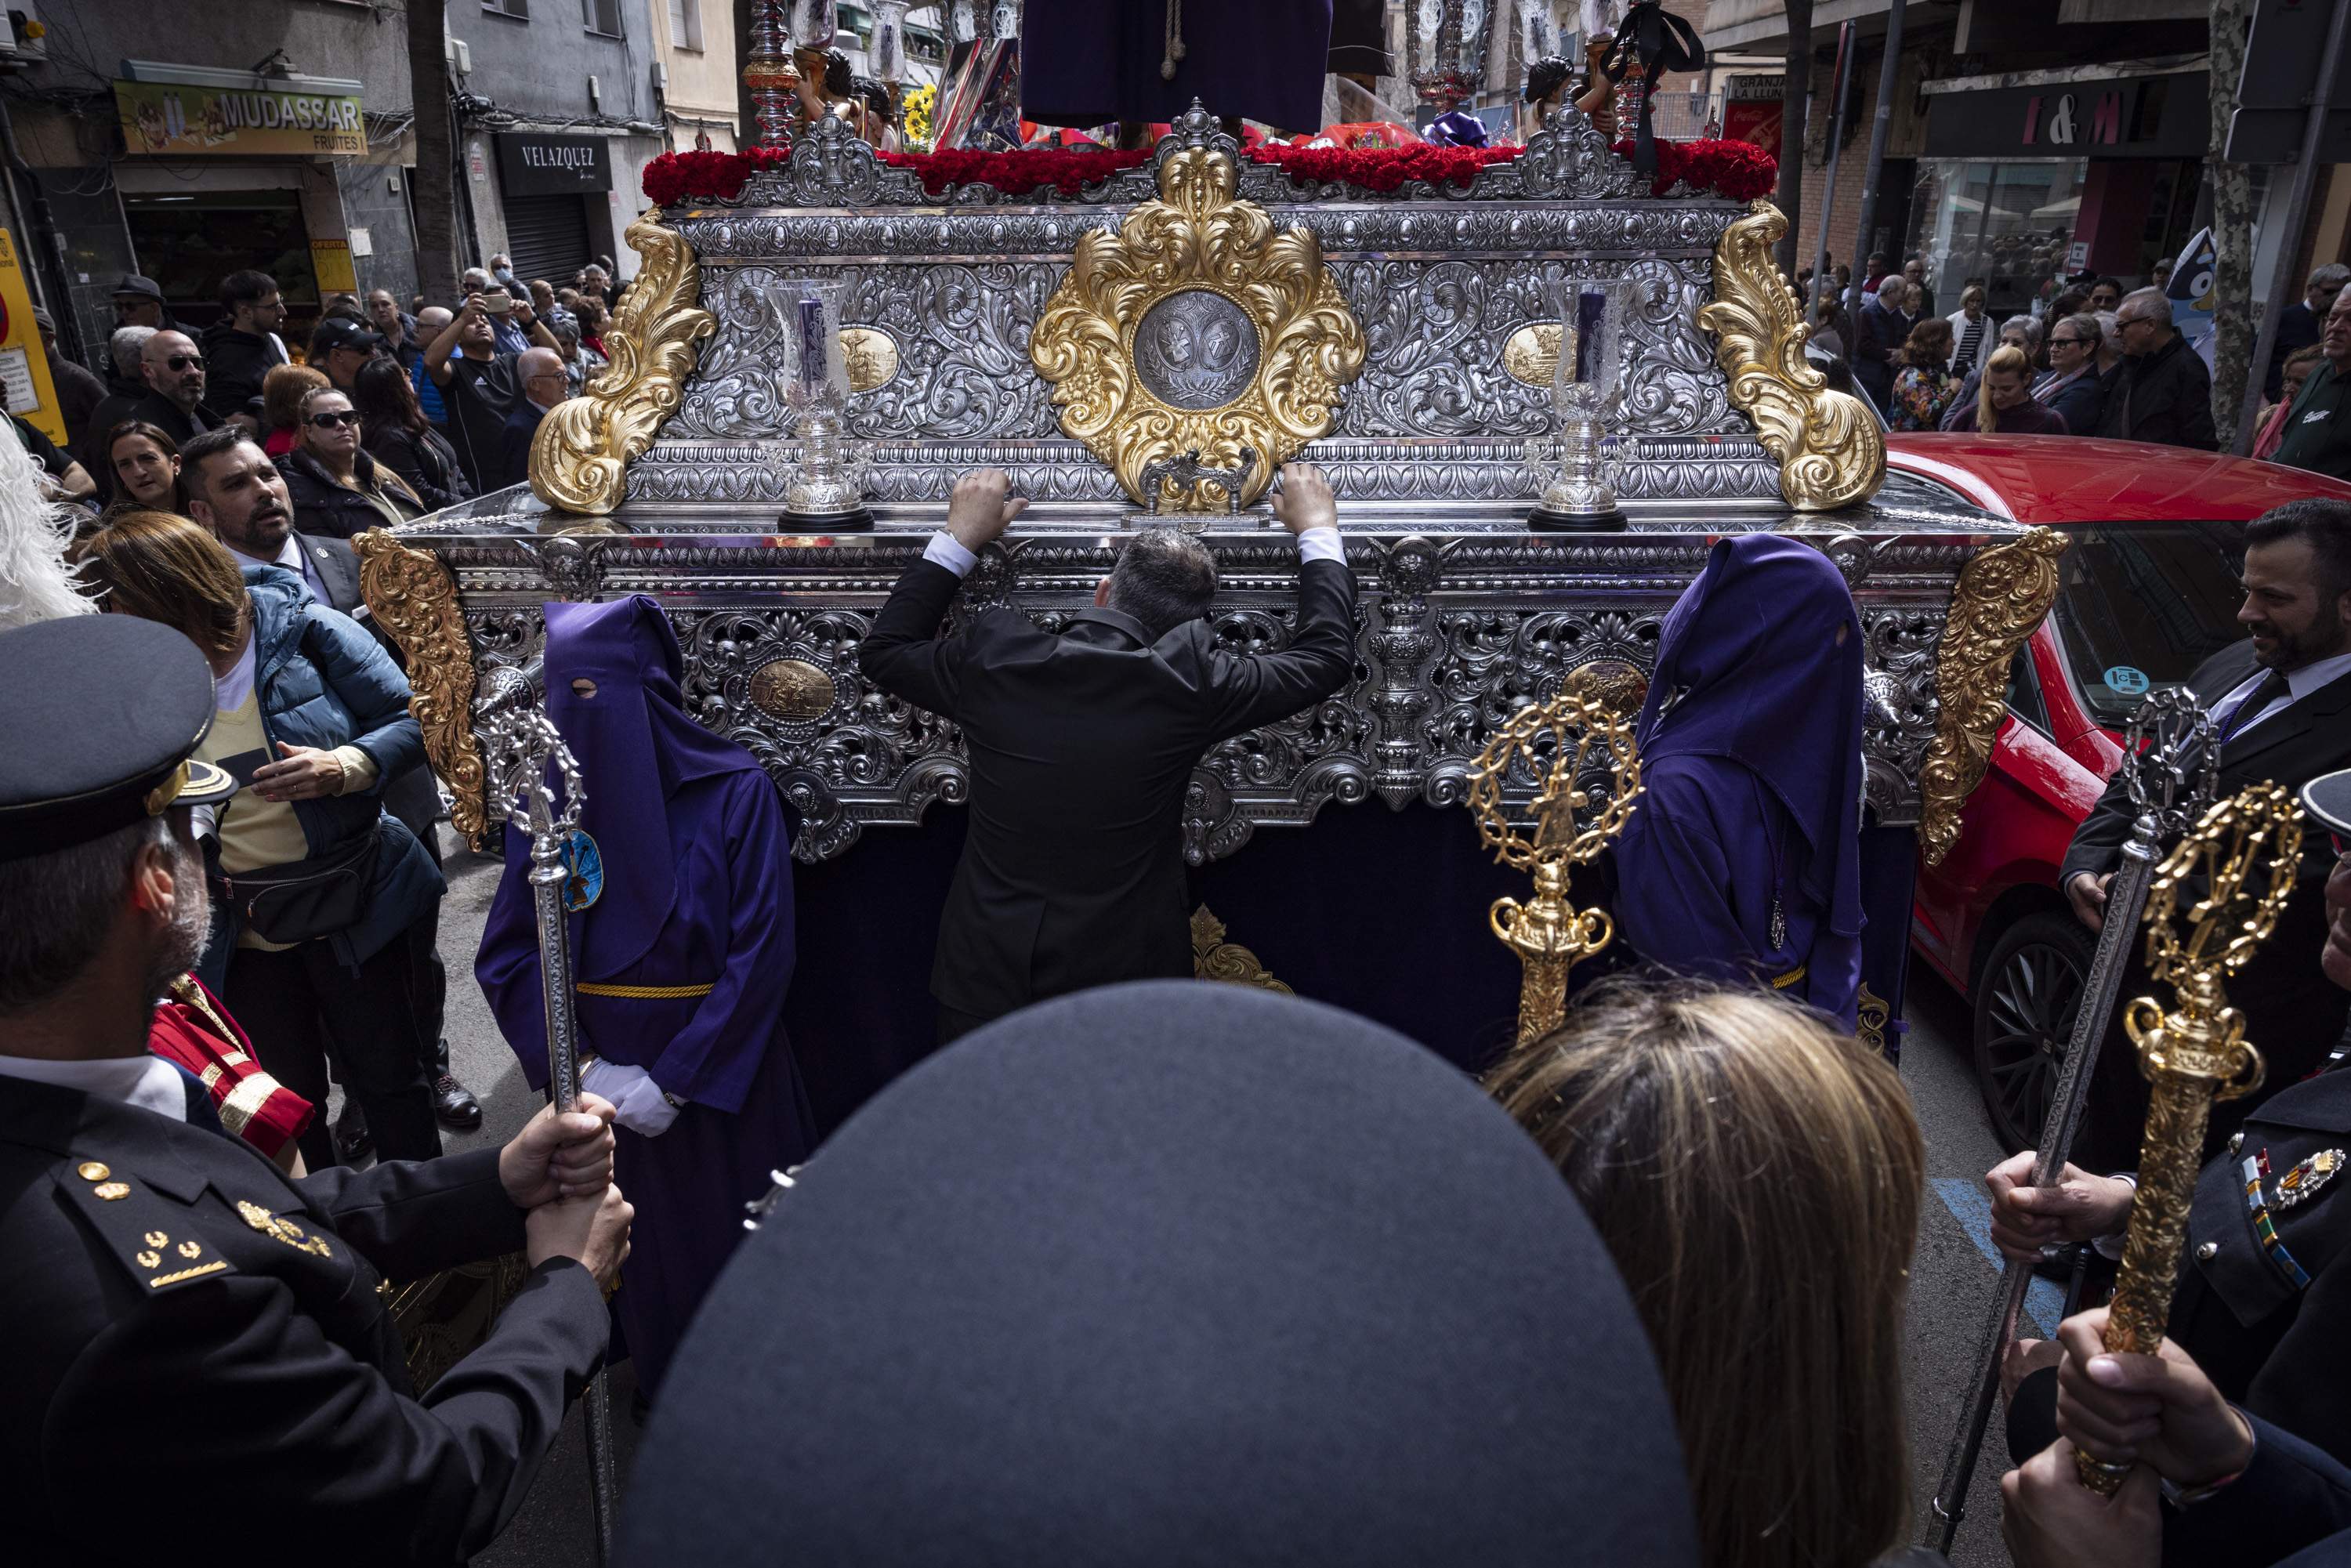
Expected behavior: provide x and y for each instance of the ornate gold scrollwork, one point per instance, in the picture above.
(1831, 451)
(411, 595)
(2000, 598)
(1214, 958)
(580, 458)
(1197, 326)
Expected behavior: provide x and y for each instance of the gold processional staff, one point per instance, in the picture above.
(2240, 857)
(1560, 747)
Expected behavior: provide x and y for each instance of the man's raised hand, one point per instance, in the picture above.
(982, 508)
(1303, 500)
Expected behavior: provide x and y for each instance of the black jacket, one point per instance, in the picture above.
(2164, 396)
(235, 364)
(2292, 1014)
(89, 445)
(1882, 332)
(213, 1320)
(331, 510)
(427, 462)
(167, 416)
(1081, 747)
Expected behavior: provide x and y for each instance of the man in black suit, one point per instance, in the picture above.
(2281, 706)
(1083, 744)
(177, 1305)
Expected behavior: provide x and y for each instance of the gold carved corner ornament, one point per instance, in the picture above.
(580, 458)
(411, 595)
(1214, 958)
(1831, 452)
(2000, 596)
(1197, 327)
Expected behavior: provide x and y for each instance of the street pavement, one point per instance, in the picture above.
(1952, 1279)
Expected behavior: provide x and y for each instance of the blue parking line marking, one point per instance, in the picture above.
(2044, 1300)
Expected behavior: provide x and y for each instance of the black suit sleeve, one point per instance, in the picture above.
(2291, 1495)
(903, 653)
(1251, 689)
(192, 1389)
(413, 1217)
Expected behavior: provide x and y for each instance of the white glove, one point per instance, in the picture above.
(637, 1100)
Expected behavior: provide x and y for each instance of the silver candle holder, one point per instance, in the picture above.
(1577, 469)
(824, 490)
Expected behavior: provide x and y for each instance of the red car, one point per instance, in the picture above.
(2147, 590)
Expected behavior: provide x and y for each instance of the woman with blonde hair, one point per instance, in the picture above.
(2005, 403)
(282, 391)
(1756, 1176)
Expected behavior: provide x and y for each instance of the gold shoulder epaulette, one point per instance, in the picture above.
(150, 1238)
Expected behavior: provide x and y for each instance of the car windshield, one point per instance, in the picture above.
(2140, 606)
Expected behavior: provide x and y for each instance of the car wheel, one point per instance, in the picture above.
(2025, 1009)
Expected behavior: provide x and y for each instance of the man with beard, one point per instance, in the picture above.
(2280, 708)
(174, 370)
(243, 346)
(2318, 426)
(239, 496)
(176, 1303)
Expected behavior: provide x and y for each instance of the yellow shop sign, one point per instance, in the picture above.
(172, 118)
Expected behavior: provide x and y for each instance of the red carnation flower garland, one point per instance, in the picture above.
(1737, 169)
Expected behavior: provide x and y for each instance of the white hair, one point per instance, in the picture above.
(125, 347)
(2154, 304)
(2025, 324)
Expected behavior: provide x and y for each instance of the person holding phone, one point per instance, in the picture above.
(480, 383)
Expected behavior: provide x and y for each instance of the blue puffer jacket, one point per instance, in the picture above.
(324, 682)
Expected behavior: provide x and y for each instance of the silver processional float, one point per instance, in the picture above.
(2172, 771)
(521, 744)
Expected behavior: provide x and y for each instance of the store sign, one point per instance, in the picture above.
(2137, 117)
(170, 119)
(554, 165)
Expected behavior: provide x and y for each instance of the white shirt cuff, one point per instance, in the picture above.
(943, 549)
(1321, 544)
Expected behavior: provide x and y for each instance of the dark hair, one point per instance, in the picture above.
(2102, 282)
(1836, 373)
(1162, 580)
(2072, 302)
(837, 79)
(246, 287)
(57, 907)
(115, 494)
(1929, 343)
(1546, 76)
(202, 449)
(2325, 523)
(385, 399)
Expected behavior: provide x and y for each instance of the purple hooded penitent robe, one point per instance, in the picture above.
(1750, 759)
(1088, 62)
(697, 891)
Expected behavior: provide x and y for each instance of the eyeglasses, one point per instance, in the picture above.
(2066, 343)
(335, 421)
(185, 362)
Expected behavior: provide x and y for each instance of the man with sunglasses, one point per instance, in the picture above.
(2164, 394)
(175, 372)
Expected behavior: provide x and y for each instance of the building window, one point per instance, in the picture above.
(602, 16)
(518, 9)
(686, 24)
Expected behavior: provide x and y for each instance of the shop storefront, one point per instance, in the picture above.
(554, 195)
(2022, 186)
(225, 170)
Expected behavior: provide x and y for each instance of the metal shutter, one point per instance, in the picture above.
(548, 237)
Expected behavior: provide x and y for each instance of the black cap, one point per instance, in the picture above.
(344, 332)
(1172, 1271)
(103, 712)
(2327, 799)
(132, 283)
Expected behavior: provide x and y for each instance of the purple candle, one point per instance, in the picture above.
(1589, 305)
(812, 355)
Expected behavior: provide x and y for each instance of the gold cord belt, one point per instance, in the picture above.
(1779, 982)
(643, 993)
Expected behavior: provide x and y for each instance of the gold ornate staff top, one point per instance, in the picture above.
(1554, 742)
(2243, 855)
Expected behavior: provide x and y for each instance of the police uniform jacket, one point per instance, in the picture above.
(2270, 1323)
(199, 1348)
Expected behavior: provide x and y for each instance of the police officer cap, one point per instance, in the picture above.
(101, 712)
(1168, 1272)
(2327, 799)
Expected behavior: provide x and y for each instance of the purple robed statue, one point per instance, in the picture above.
(1742, 860)
(1083, 62)
(681, 960)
